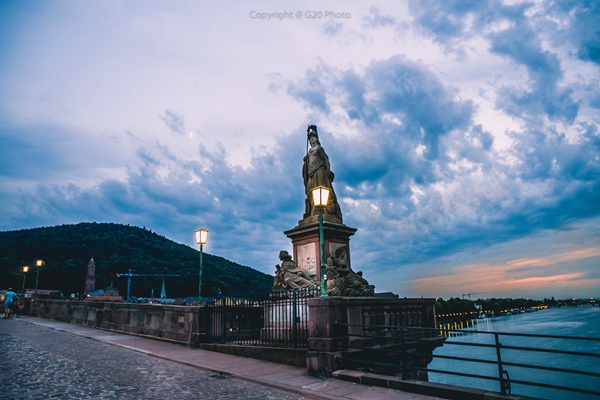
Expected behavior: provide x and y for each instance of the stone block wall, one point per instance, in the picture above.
(180, 324)
(334, 324)
(337, 322)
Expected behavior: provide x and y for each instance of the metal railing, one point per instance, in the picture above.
(275, 319)
(500, 357)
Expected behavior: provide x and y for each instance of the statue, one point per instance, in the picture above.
(316, 172)
(290, 276)
(342, 281)
(357, 286)
(337, 269)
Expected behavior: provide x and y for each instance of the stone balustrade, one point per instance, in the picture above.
(335, 324)
(181, 324)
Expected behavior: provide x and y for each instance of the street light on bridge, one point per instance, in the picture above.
(201, 238)
(320, 197)
(38, 265)
(25, 270)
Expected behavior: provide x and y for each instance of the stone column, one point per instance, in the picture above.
(326, 340)
(305, 240)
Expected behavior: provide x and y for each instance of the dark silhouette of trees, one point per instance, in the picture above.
(116, 248)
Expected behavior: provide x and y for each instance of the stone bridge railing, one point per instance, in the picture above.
(337, 322)
(179, 324)
(334, 323)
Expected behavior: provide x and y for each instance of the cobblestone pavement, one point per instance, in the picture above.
(42, 363)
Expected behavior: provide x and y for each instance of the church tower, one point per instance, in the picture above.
(90, 280)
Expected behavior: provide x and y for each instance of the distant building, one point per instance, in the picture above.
(110, 293)
(90, 279)
(386, 295)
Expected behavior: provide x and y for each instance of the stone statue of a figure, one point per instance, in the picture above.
(342, 281)
(290, 276)
(337, 270)
(316, 171)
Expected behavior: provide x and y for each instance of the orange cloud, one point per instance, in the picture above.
(546, 279)
(523, 273)
(556, 258)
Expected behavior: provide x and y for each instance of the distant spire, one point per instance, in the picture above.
(90, 279)
(163, 292)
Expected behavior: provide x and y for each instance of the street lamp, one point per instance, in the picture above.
(201, 237)
(38, 265)
(320, 197)
(25, 269)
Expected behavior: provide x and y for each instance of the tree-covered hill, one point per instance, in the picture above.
(116, 248)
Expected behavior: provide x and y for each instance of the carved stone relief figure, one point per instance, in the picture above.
(357, 286)
(337, 270)
(290, 276)
(342, 281)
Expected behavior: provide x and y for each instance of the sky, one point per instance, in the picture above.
(464, 135)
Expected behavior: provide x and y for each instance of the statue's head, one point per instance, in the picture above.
(284, 255)
(312, 131)
(340, 250)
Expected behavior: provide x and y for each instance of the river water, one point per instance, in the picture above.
(582, 321)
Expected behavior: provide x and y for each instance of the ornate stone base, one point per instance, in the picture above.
(305, 239)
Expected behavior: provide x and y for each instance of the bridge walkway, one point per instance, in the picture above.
(285, 377)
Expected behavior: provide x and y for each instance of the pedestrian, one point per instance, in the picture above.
(10, 297)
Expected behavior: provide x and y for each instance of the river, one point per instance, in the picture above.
(582, 321)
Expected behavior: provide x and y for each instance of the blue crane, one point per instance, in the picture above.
(130, 274)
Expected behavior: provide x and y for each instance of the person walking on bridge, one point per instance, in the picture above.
(10, 297)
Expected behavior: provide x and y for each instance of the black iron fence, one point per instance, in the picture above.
(273, 319)
(569, 364)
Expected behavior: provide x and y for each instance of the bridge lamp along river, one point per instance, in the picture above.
(201, 238)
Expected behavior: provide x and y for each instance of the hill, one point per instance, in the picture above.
(116, 248)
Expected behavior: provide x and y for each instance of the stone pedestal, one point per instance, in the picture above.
(305, 240)
(367, 332)
(327, 340)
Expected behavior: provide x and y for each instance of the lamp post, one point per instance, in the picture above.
(25, 269)
(38, 265)
(320, 197)
(201, 237)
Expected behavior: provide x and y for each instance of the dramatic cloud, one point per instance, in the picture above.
(463, 135)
